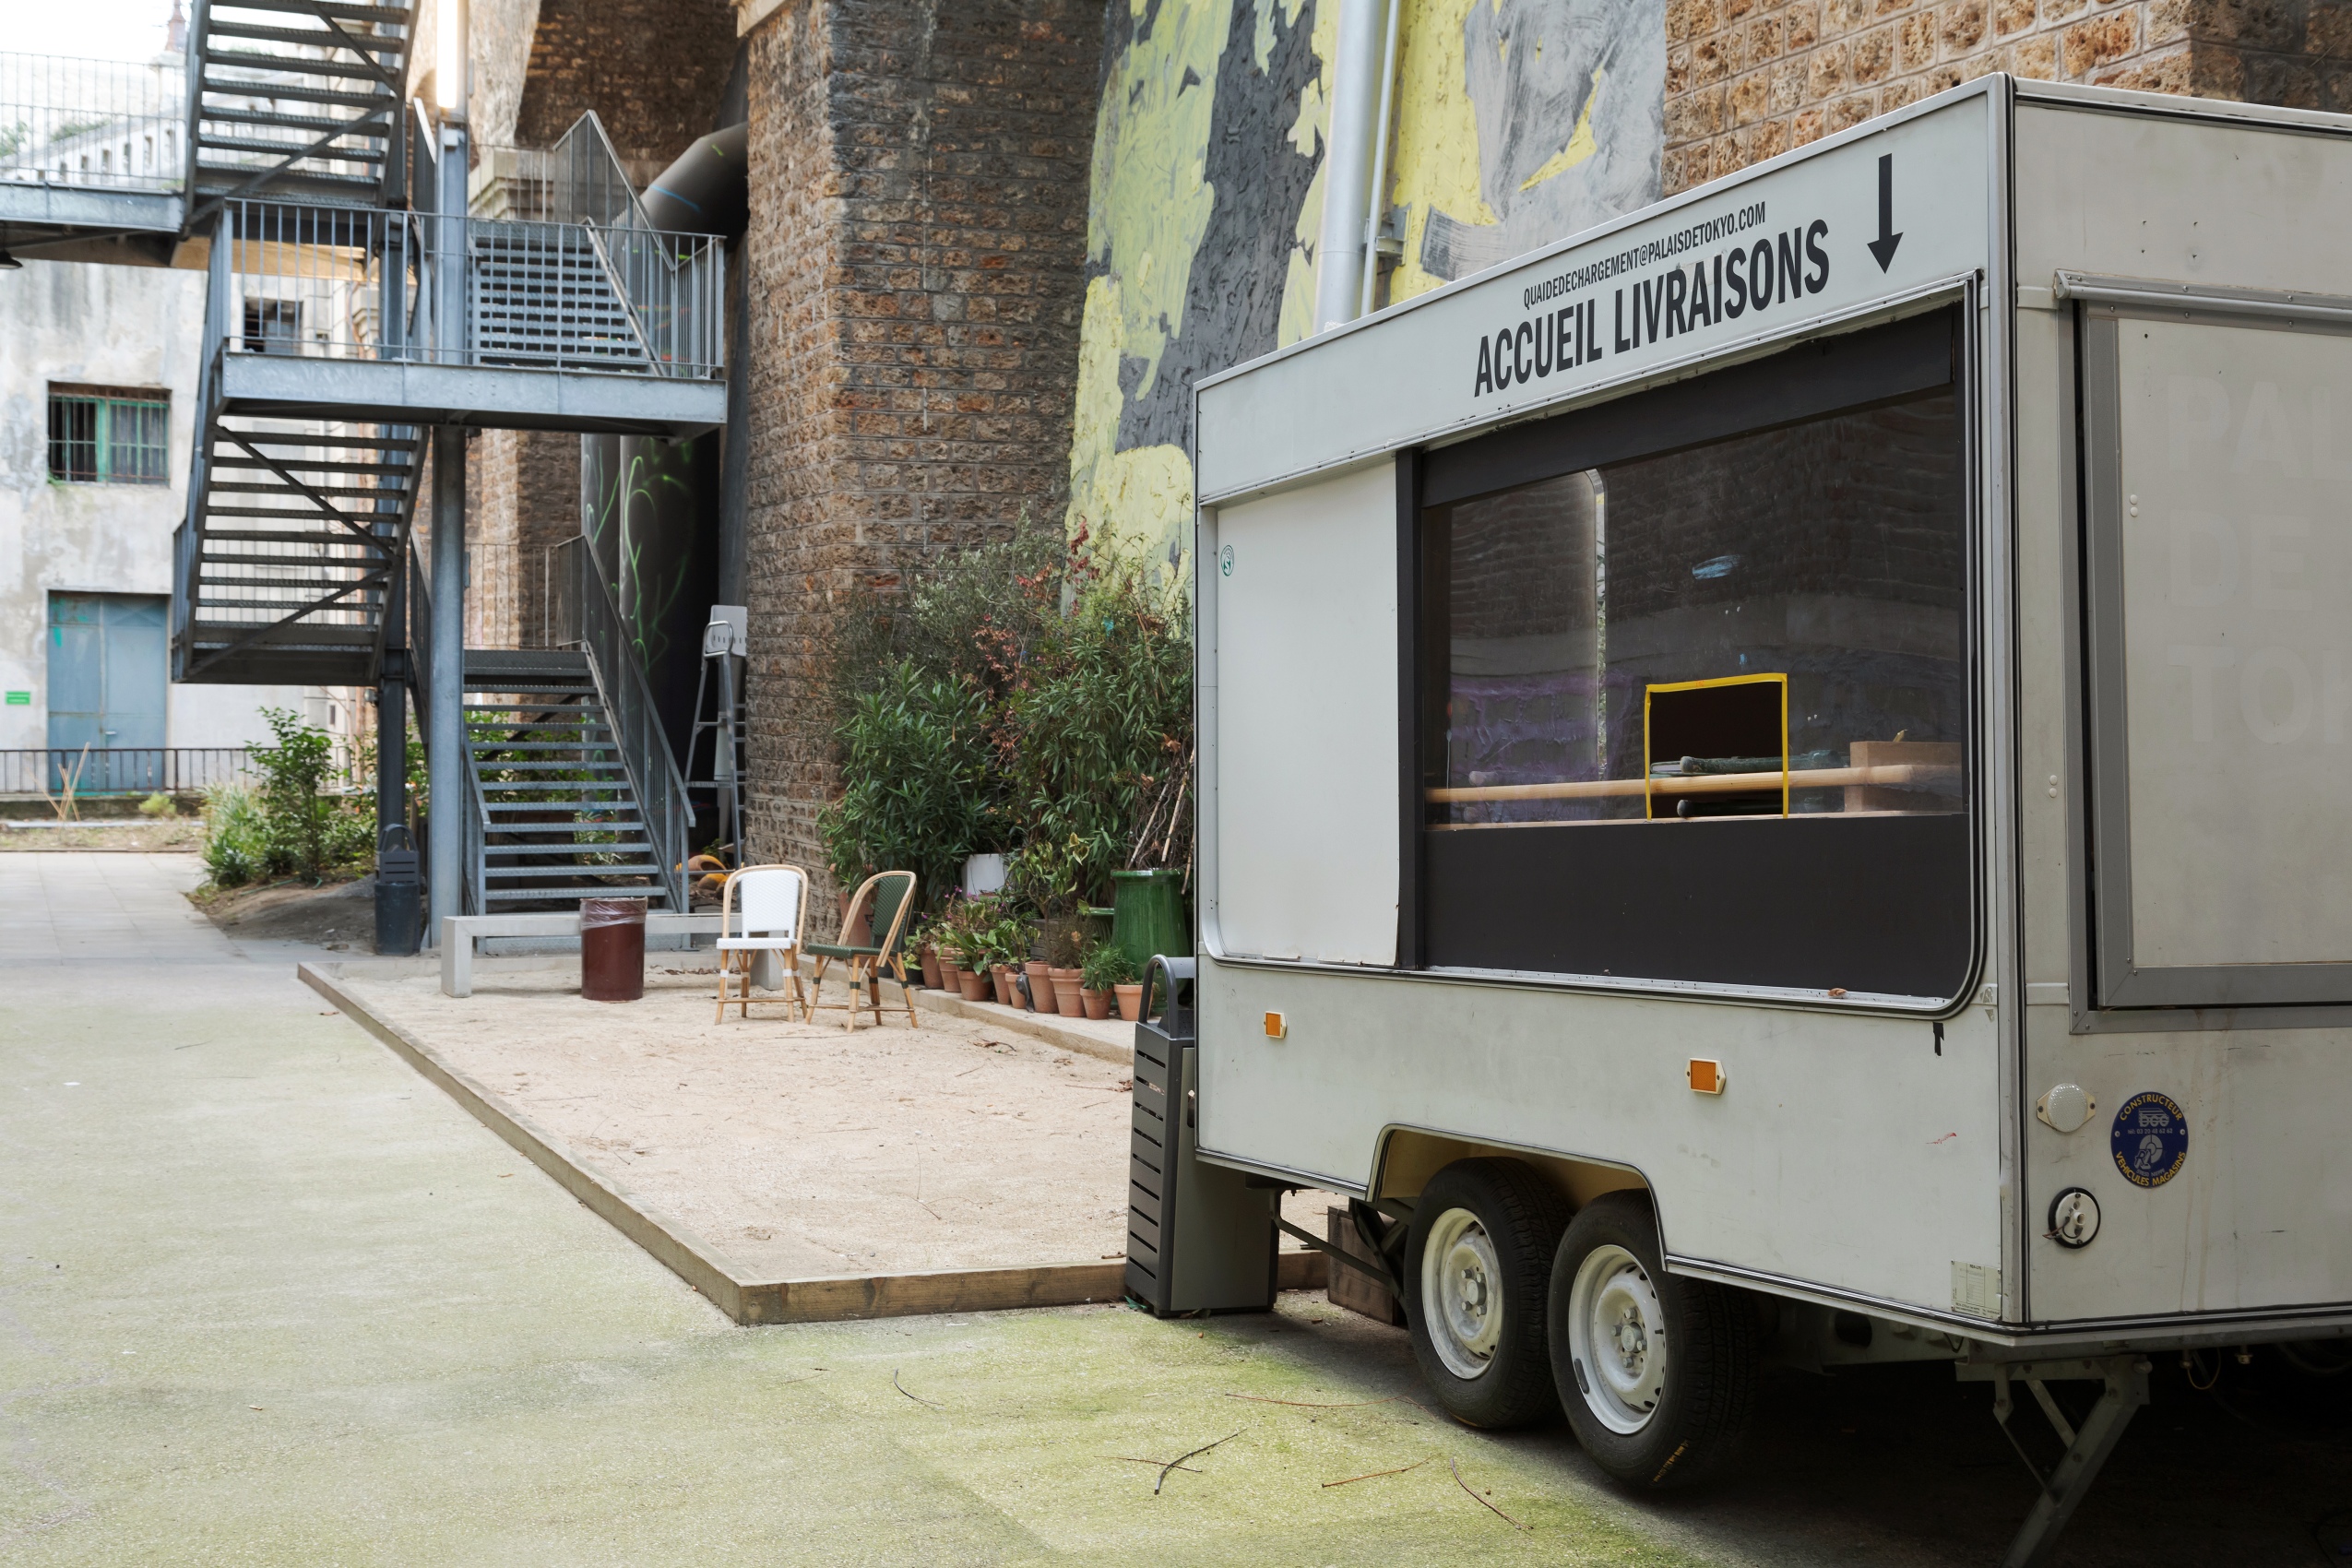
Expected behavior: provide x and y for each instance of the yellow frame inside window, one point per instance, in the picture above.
(1649, 785)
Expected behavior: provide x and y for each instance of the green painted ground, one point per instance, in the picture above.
(269, 1298)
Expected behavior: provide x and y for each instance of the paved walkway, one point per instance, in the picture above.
(265, 1297)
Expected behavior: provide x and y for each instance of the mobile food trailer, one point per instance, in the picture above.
(1773, 777)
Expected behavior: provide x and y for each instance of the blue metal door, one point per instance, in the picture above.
(107, 681)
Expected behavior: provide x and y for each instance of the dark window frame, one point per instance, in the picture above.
(1846, 372)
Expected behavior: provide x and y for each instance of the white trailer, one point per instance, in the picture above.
(1774, 778)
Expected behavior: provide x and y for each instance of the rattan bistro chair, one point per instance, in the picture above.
(774, 905)
(891, 896)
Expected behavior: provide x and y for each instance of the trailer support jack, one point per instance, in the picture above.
(2126, 1378)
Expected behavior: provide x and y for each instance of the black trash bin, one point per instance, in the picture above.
(400, 894)
(1200, 1237)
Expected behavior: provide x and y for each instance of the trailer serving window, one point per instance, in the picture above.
(1694, 688)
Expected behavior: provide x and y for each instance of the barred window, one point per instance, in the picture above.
(109, 435)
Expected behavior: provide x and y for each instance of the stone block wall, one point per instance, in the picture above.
(653, 70)
(915, 272)
(1746, 79)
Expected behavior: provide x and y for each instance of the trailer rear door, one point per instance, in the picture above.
(2218, 510)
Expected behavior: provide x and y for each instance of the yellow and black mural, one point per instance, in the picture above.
(1516, 123)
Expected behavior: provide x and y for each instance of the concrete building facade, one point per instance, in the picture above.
(117, 336)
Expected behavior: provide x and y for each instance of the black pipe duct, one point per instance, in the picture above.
(708, 191)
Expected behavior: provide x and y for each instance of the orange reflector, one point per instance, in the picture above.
(1277, 1028)
(1706, 1077)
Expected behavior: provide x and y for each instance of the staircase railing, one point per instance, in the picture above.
(355, 283)
(112, 125)
(589, 185)
(587, 182)
(636, 722)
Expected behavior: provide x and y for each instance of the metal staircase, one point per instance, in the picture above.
(336, 336)
(557, 816)
(297, 100)
(302, 529)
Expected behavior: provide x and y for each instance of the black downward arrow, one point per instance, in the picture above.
(1883, 246)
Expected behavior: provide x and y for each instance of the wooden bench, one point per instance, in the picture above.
(459, 932)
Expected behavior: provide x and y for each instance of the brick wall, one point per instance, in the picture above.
(524, 495)
(1746, 79)
(653, 70)
(918, 177)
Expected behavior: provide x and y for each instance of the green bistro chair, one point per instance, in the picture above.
(891, 895)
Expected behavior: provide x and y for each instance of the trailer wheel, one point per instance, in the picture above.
(1658, 1374)
(1478, 1261)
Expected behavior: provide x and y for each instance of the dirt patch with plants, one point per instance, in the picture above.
(338, 914)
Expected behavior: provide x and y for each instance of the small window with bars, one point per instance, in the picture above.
(109, 435)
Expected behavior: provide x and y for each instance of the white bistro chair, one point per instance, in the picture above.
(762, 909)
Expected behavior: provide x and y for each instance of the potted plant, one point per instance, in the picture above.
(927, 954)
(1043, 979)
(967, 946)
(1106, 972)
(971, 972)
(1063, 951)
(1008, 943)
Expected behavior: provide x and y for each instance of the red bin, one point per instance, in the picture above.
(612, 949)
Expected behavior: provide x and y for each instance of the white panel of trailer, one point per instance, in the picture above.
(1860, 1153)
(1918, 188)
(1306, 729)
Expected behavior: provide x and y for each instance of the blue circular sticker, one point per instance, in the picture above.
(2150, 1139)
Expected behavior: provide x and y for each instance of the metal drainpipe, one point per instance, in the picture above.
(1377, 208)
(1348, 163)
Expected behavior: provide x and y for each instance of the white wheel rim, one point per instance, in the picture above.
(1462, 1293)
(1617, 1338)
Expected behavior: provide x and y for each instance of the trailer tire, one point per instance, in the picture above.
(1671, 1402)
(1478, 1262)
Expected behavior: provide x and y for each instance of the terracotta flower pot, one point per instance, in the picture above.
(972, 984)
(1131, 1002)
(1066, 993)
(1042, 982)
(1002, 974)
(1098, 1003)
(934, 976)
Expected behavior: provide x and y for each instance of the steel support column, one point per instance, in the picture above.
(447, 763)
(445, 746)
